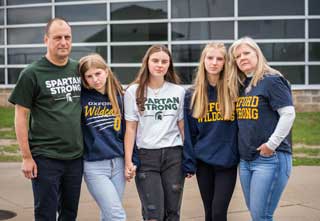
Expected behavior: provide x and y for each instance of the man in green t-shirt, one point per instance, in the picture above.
(47, 97)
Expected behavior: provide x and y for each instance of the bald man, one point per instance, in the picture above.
(47, 124)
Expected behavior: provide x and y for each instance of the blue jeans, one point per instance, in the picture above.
(263, 181)
(57, 189)
(160, 183)
(105, 181)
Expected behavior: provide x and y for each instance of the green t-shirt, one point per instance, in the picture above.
(52, 93)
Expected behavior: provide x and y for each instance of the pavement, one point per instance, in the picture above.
(300, 201)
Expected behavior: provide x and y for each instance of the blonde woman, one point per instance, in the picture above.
(154, 122)
(265, 115)
(103, 133)
(210, 147)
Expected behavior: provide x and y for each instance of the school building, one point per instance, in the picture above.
(288, 32)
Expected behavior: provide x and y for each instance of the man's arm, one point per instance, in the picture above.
(29, 167)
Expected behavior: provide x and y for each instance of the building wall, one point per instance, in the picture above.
(304, 100)
(4, 95)
(121, 31)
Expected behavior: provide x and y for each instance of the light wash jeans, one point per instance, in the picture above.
(263, 181)
(105, 181)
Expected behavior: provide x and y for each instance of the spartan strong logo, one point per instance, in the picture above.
(161, 107)
(158, 115)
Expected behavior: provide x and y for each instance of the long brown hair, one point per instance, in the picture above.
(199, 100)
(113, 86)
(142, 78)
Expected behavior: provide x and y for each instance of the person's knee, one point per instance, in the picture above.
(177, 188)
(219, 213)
(152, 213)
(116, 212)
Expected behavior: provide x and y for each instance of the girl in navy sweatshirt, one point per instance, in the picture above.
(103, 133)
(210, 146)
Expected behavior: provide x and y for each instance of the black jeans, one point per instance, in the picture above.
(160, 183)
(57, 189)
(216, 186)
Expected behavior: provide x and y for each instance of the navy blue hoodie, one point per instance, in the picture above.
(103, 133)
(212, 139)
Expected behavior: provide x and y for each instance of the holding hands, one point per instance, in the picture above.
(130, 171)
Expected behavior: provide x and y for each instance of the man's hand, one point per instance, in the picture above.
(29, 168)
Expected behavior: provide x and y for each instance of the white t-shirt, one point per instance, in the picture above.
(157, 125)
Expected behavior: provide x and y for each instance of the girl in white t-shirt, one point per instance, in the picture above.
(154, 123)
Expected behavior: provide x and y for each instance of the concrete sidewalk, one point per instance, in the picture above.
(300, 202)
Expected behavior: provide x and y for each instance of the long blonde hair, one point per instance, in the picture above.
(113, 87)
(236, 76)
(142, 78)
(199, 100)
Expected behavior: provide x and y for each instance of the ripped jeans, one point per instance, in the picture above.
(159, 182)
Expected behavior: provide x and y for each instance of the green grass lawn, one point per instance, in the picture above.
(306, 129)
(7, 123)
(306, 132)
(7, 116)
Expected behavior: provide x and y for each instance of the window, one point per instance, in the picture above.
(202, 30)
(13, 75)
(69, 0)
(89, 33)
(139, 10)
(19, 2)
(2, 76)
(139, 32)
(202, 8)
(125, 74)
(122, 31)
(1, 36)
(1, 17)
(314, 74)
(314, 7)
(186, 74)
(186, 53)
(80, 51)
(82, 12)
(1, 56)
(24, 55)
(272, 29)
(29, 15)
(270, 7)
(314, 30)
(294, 74)
(283, 51)
(32, 35)
(314, 51)
(128, 54)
